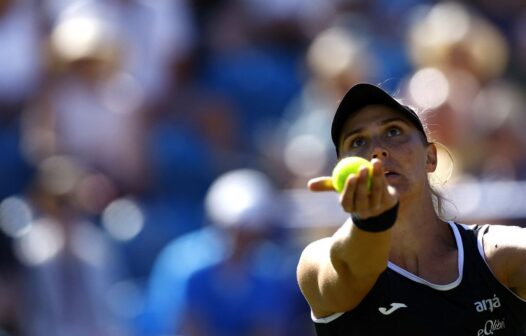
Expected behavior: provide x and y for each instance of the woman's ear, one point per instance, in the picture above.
(431, 158)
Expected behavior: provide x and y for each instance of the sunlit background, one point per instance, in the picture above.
(155, 153)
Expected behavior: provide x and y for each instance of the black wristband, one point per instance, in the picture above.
(379, 223)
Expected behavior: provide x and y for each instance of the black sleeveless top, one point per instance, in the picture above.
(400, 303)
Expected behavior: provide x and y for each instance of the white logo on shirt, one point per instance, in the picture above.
(491, 326)
(487, 304)
(394, 306)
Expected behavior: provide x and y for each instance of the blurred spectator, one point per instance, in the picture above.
(337, 58)
(454, 37)
(14, 166)
(255, 71)
(252, 278)
(70, 263)
(153, 35)
(20, 75)
(231, 266)
(89, 109)
(498, 123)
(165, 289)
(189, 142)
(12, 312)
(518, 35)
(20, 53)
(458, 85)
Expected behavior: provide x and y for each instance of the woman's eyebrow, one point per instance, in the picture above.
(383, 122)
(352, 132)
(390, 120)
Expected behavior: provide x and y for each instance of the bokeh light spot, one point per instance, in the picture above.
(123, 219)
(15, 216)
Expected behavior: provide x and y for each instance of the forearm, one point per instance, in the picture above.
(336, 273)
(349, 262)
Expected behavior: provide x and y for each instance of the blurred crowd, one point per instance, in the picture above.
(151, 148)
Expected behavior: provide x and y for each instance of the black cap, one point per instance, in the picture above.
(362, 95)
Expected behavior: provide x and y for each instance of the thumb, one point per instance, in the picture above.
(323, 183)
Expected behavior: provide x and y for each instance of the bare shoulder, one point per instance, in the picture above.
(505, 250)
(316, 259)
(504, 239)
(312, 257)
(315, 256)
(309, 271)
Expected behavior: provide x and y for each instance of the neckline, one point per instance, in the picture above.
(460, 263)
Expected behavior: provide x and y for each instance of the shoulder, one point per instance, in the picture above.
(311, 258)
(505, 251)
(503, 240)
(315, 247)
(312, 273)
(496, 239)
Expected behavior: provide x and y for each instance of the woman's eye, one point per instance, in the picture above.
(357, 142)
(393, 131)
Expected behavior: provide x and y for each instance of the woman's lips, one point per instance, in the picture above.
(390, 174)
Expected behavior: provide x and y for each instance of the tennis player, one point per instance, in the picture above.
(395, 267)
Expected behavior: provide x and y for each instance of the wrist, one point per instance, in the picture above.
(382, 222)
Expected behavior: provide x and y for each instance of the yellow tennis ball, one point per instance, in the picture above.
(347, 166)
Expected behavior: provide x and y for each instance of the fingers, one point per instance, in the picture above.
(348, 195)
(360, 196)
(378, 186)
(363, 194)
(368, 199)
(323, 183)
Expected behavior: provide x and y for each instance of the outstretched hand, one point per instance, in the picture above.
(357, 197)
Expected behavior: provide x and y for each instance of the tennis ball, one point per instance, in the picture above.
(347, 166)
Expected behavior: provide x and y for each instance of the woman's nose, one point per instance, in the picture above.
(379, 153)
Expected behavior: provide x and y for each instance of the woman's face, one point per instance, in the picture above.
(386, 134)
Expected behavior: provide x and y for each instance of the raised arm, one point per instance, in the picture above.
(505, 249)
(336, 273)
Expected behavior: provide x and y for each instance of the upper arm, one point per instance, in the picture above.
(328, 286)
(505, 249)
